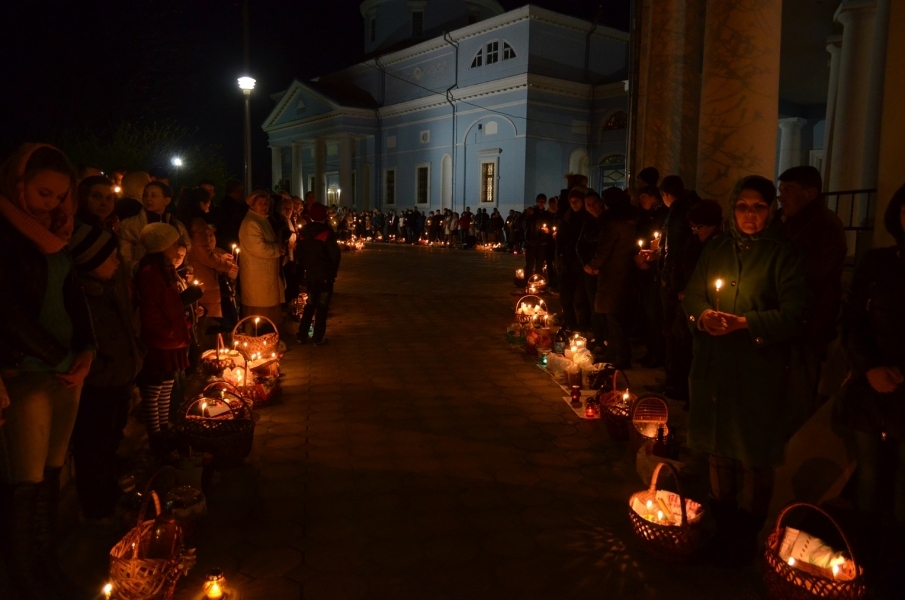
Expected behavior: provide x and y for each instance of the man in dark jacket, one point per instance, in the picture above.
(612, 264)
(818, 235)
(319, 253)
(572, 296)
(675, 235)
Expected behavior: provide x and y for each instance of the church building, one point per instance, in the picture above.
(457, 103)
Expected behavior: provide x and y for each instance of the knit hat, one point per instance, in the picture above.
(91, 246)
(317, 212)
(157, 237)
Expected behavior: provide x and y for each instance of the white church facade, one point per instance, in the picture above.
(457, 103)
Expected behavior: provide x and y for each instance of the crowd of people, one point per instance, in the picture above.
(112, 284)
(741, 310)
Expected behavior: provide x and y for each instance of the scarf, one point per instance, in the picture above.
(741, 238)
(14, 209)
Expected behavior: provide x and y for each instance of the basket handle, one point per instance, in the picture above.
(148, 493)
(540, 301)
(218, 385)
(616, 375)
(249, 317)
(814, 507)
(198, 399)
(675, 476)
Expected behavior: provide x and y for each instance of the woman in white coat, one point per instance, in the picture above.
(262, 286)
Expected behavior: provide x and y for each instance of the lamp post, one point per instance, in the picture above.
(246, 84)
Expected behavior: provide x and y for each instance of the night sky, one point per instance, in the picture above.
(73, 65)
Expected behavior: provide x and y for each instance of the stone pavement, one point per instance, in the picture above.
(418, 456)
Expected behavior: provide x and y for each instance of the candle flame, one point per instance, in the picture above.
(656, 235)
(650, 504)
(835, 570)
(659, 515)
(108, 589)
(719, 284)
(791, 561)
(641, 243)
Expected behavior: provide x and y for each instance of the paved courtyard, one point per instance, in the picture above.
(418, 456)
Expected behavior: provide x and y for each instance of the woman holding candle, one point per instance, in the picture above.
(208, 263)
(262, 286)
(741, 351)
(46, 351)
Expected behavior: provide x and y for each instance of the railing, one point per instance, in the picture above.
(855, 208)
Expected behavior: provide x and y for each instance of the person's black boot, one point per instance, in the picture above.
(47, 502)
(26, 573)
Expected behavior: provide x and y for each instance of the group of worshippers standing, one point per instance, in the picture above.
(745, 356)
(103, 291)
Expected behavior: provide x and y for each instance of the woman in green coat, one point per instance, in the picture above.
(742, 335)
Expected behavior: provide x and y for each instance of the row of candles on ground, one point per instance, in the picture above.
(214, 586)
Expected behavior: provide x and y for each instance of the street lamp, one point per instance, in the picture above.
(177, 162)
(246, 84)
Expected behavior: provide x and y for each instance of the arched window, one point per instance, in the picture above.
(508, 52)
(618, 120)
(478, 59)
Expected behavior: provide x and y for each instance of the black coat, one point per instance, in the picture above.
(676, 232)
(613, 258)
(318, 252)
(567, 236)
(874, 337)
(119, 352)
(23, 284)
(820, 238)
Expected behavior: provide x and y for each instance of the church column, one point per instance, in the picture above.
(790, 143)
(853, 98)
(345, 172)
(276, 166)
(739, 94)
(320, 167)
(297, 181)
(669, 87)
(834, 47)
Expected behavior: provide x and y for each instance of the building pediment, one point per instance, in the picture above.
(307, 101)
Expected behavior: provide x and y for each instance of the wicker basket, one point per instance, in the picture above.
(648, 413)
(227, 437)
(213, 362)
(615, 408)
(231, 394)
(803, 581)
(672, 543)
(538, 318)
(252, 344)
(537, 282)
(137, 578)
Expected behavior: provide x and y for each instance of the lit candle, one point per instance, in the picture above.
(641, 244)
(659, 515)
(108, 590)
(719, 285)
(835, 571)
(656, 235)
(625, 396)
(258, 320)
(791, 561)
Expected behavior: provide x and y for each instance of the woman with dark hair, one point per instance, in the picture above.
(194, 203)
(745, 303)
(875, 396)
(46, 351)
(97, 203)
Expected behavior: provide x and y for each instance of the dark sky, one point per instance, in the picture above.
(76, 64)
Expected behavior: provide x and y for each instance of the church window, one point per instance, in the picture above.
(390, 185)
(508, 52)
(422, 185)
(478, 59)
(493, 52)
(487, 181)
(619, 120)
